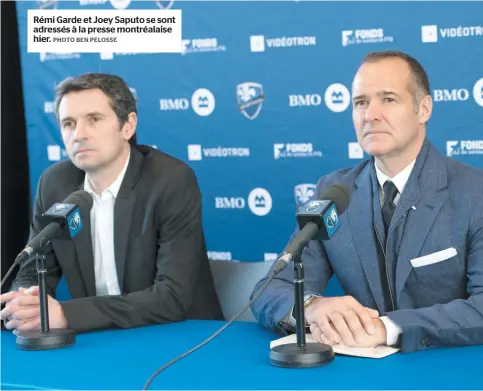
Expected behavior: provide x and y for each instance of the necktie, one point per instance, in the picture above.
(390, 192)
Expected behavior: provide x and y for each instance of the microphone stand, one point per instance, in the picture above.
(300, 354)
(45, 338)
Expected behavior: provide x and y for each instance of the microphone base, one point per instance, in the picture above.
(52, 339)
(293, 356)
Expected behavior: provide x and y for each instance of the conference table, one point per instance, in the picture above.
(238, 358)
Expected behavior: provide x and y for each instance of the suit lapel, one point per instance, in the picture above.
(83, 245)
(123, 210)
(420, 203)
(360, 216)
(122, 227)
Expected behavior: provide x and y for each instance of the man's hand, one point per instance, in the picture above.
(371, 341)
(6, 298)
(9, 296)
(22, 311)
(342, 320)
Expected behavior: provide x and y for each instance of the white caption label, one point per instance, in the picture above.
(95, 31)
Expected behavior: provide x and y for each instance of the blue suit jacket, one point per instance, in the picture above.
(441, 207)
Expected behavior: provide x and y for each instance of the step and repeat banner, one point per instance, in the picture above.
(258, 100)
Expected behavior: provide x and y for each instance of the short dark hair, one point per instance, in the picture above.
(420, 85)
(120, 96)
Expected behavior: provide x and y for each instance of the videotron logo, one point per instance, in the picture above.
(259, 43)
(431, 33)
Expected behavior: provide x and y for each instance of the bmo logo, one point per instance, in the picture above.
(229, 203)
(259, 201)
(453, 95)
(202, 103)
(174, 104)
(304, 100)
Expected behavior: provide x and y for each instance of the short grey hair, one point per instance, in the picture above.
(420, 82)
(120, 97)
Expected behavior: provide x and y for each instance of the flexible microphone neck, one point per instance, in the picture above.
(53, 229)
(295, 248)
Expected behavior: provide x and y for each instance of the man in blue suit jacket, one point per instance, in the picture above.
(409, 252)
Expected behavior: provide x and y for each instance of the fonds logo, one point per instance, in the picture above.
(464, 147)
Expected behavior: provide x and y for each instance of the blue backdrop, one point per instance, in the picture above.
(258, 102)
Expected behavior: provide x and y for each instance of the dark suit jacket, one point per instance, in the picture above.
(162, 265)
(436, 296)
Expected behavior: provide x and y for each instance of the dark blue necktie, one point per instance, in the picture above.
(390, 192)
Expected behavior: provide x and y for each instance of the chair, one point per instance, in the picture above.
(234, 283)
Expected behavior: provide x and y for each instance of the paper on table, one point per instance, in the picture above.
(377, 352)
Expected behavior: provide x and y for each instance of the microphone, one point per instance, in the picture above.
(316, 219)
(61, 220)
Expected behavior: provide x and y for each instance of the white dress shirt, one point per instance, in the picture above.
(400, 180)
(102, 233)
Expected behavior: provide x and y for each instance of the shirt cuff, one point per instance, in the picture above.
(289, 318)
(392, 330)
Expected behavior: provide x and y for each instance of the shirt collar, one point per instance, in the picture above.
(114, 187)
(399, 180)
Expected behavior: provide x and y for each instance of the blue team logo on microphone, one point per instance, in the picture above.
(74, 223)
(60, 208)
(315, 206)
(331, 220)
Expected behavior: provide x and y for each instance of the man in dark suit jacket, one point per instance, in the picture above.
(141, 257)
(409, 251)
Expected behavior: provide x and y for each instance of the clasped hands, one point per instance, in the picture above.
(343, 320)
(22, 310)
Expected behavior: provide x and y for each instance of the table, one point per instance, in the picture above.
(236, 359)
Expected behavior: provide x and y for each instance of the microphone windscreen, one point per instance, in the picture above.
(339, 194)
(81, 198)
